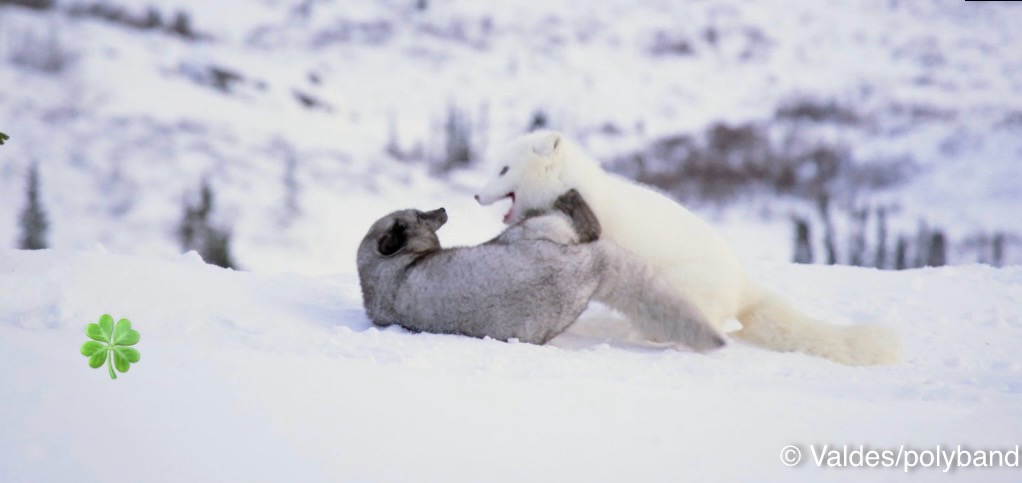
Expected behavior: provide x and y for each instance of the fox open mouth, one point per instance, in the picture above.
(507, 216)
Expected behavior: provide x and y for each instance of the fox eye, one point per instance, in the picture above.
(503, 171)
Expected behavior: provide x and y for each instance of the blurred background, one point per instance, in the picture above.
(269, 134)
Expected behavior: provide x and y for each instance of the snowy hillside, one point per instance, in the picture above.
(250, 377)
(348, 101)
(310, 119)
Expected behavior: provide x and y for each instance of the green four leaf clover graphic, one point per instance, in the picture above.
(110, 344)
(3, 137)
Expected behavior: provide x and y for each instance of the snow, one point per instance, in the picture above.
(128, 128)
(272, 377)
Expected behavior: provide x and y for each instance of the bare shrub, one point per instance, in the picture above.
(228, 80)
(371, 32)
(857, 241)
(42, 52)
(458, 150)
(816, 110)
(182, 26)
(901, 254)
(936, 250)
(33, 221)
(829, 244)
(990, 248)
(310, 101)
(149, 19)
(197, 230)
(669, 43)
(880, 258)
(471, 32)
(33, 4)
(803, 245)
(926, 247)
(291, 208)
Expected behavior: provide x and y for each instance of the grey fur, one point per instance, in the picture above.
(530, 283)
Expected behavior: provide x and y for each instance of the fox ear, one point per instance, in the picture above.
(548, 145)
(393, 240)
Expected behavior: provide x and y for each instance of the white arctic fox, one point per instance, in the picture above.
(534, 169)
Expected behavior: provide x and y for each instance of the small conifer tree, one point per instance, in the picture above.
(33, 220)
(197, 231)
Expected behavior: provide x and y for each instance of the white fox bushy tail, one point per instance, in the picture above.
(770, 321)
(651, 304)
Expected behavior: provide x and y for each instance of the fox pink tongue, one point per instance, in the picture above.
(507, 216)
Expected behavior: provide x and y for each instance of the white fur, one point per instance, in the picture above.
(681, 248)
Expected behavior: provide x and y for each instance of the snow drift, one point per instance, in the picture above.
(251, 377)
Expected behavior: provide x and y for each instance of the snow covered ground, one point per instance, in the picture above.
(256, 377)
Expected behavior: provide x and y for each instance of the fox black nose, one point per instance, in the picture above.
(477, 197)
(438, 214)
